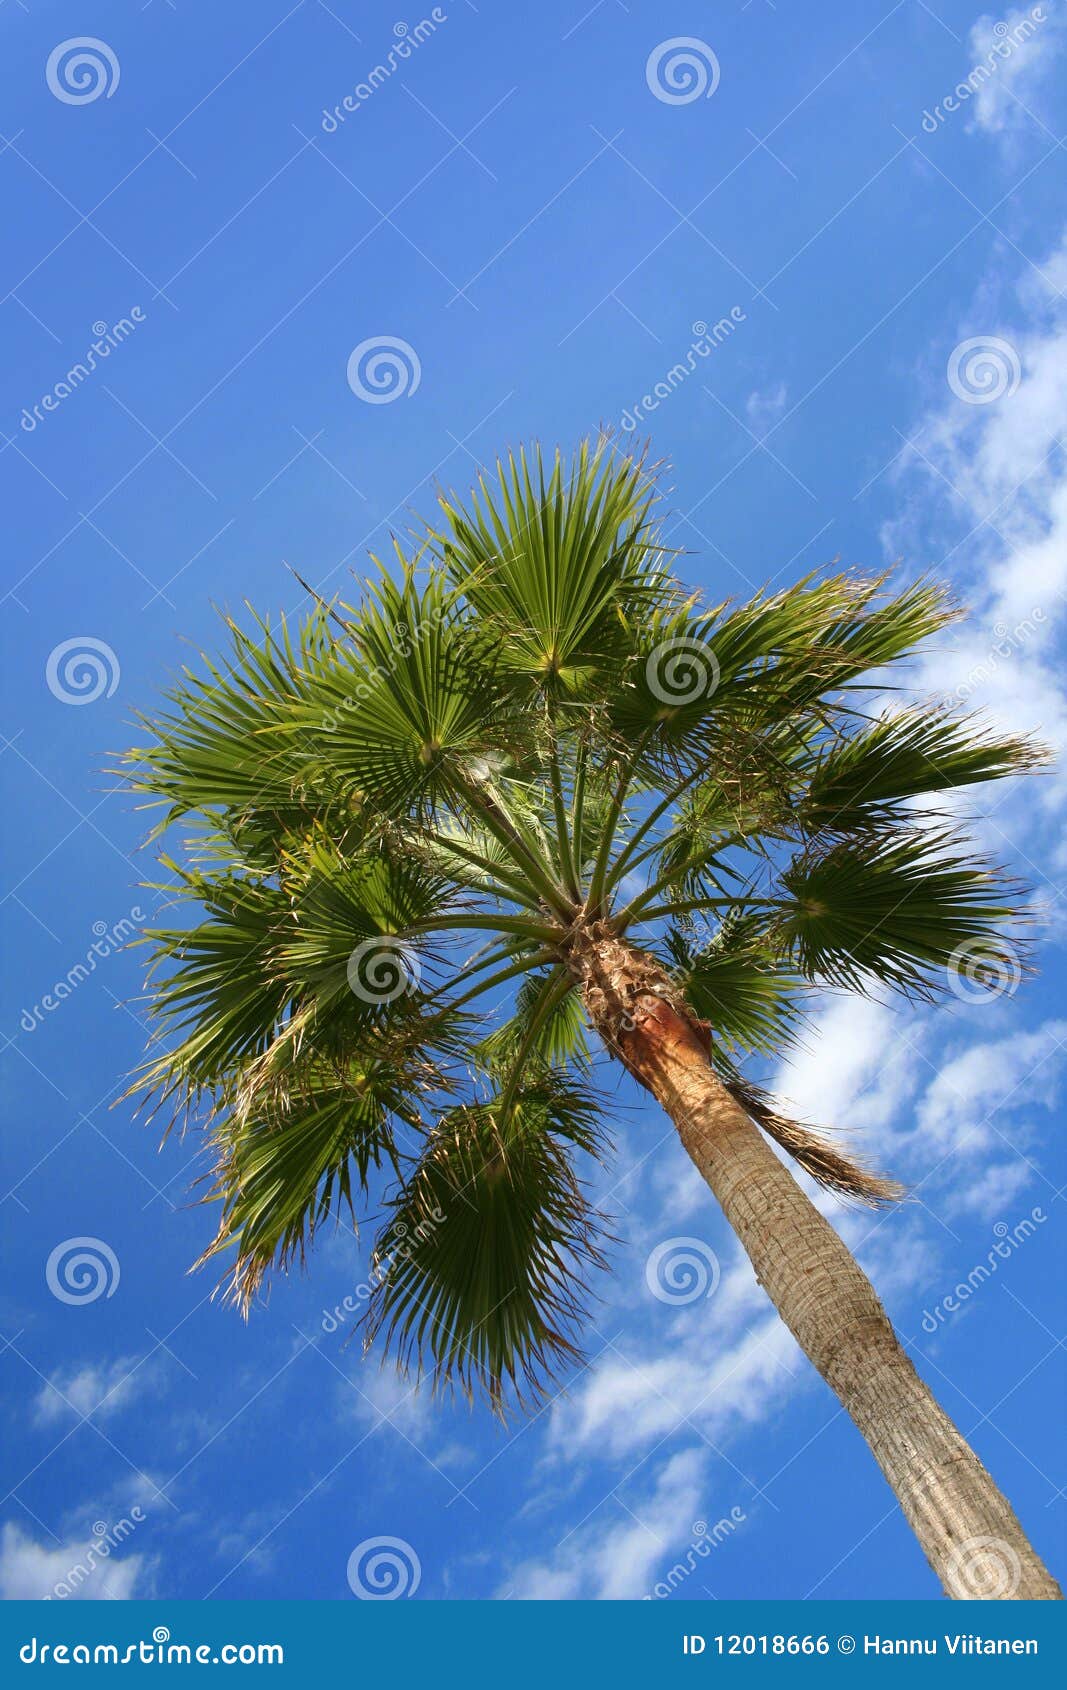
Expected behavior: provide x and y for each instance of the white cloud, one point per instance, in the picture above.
(991, 1191)
(966, 1106)
(679, 1190)
(998, 517)
(643, 1392)
(917, 1094)
(860, 1064)
(724, 1363)
(1018, 49)
(765, 409)
(398, 1411)
(76, 1570)
(102, 1388)
(616, 1554)
(378, 1391)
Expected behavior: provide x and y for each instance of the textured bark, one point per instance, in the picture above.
(967, 1528)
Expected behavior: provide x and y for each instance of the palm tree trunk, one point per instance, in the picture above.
(967, 1528)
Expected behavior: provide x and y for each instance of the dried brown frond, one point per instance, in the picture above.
(815, 1151)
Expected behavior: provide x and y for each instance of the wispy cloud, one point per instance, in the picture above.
(969, 1104)
(100, 1388)
(617, 1553)
(1020, 49)
(986, 482)
(763, 409)
(89, 1566)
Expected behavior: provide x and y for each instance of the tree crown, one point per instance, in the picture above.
(400, 819)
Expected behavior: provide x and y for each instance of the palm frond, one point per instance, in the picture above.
(212, 986)
(558, 1038)
(860, 780)
(701, 678)
(295, 1151)
(487, 1296)
(230, 740)
(737, 983)
(558, 566)
(813, 1149)
(896, 910)
(408, 700)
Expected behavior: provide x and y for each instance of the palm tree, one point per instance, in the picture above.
(528, 792)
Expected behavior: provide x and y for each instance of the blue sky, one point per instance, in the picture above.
(548, 236)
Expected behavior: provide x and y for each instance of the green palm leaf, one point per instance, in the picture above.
(480, 1264)
(895, 910)
(558, 1037)
(558, 568)
(232, 741)
(737, 983)
(860, 780)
